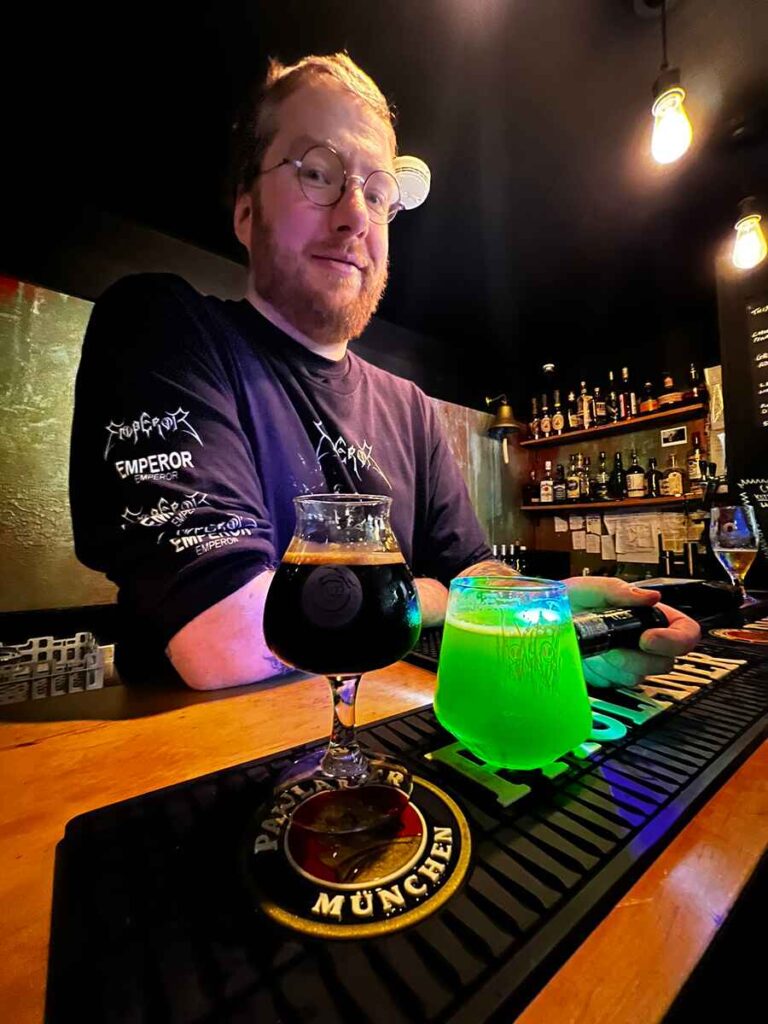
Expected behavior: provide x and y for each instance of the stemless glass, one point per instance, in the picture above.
(735, 537)
(510, 684)
(343, 602)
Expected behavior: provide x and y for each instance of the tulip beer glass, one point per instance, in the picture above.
(342, 602)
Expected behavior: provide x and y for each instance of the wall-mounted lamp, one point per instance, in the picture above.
(750, 247)
(504, 423)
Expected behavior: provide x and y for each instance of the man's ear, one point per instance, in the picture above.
(243, 217)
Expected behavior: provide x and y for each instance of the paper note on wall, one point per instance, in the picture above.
(610, 523)
(593, 544)
(594, 525)
(607, 550)
(636, 537)
(674, 530)
(576, 522)
(578, 539)
(560, 525)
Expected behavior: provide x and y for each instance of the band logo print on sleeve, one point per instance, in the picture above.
(148, 426)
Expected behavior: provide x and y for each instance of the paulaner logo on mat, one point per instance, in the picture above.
(403, 861)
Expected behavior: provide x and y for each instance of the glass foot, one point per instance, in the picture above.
(376, 796)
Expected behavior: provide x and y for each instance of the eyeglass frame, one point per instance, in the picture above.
(297, 164)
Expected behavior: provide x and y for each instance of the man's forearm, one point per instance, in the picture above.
(224, 645)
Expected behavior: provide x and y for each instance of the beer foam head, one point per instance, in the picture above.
(303, 552)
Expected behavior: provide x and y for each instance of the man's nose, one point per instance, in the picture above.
(350, 214)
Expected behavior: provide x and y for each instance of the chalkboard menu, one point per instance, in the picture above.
(742, 299)
(757, 329)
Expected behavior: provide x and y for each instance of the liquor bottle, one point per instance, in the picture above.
(546, 421)
(586, 482)
(560, 490)
(531, 494)
(673, 483)
(558, 419)
(503, 554)
(649, 402)
(653, 480)
(601, 411)
(696, 459)
(535, 425)
(586, 406)
(573, 482)
(697, 389)
(670, 394)
(495, 551)
(573, 417)
(601, 492)
(522, 559)
(612, 400)
(617, 482)
(627, 397)
(547, 486)
(635, 478)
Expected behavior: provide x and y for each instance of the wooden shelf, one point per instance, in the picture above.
(603, 506)
(678, 412)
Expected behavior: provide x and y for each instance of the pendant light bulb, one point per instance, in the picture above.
(750, 247)
(672, 131)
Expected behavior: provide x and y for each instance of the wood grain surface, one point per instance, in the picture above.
(628, 970)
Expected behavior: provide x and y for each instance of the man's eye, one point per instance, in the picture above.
(315, 176)
(375, 198)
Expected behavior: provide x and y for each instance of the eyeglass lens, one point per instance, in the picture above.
(322, 178)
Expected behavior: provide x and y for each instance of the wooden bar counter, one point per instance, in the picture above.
(628, 971)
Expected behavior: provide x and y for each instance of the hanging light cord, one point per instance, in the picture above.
(664, 62)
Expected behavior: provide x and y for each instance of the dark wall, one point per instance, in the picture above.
(549, 233)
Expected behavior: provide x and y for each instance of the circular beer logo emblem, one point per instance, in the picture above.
(331, 596)
(357, 862)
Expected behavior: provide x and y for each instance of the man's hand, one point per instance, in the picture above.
(433, 598)
(658, 647)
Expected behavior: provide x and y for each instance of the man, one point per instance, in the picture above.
(197, 421)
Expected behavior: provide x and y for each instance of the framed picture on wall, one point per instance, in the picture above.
(672, 436)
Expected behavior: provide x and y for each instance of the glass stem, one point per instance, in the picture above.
(343, 759)
(739, 584)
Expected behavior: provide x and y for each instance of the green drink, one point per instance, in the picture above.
(510, 684)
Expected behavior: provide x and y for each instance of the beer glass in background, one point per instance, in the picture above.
(510, 685)
(342, 602)
(734, 535)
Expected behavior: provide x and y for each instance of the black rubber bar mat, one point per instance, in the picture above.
(153, 924)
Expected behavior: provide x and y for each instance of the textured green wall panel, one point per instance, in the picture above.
(41, 334)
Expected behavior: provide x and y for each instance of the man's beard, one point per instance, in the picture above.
(280, 279)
